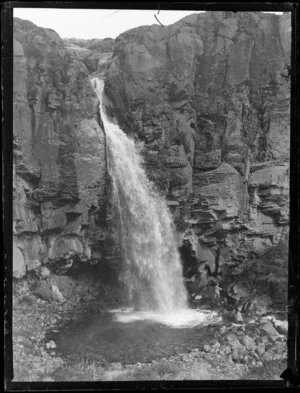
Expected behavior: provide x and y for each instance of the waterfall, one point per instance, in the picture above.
(154, 272)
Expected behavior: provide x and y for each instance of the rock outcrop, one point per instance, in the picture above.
(59, 152)
(96, 54)
(209, 97)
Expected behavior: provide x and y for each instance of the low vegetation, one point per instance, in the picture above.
(268, 273)
(81, 371)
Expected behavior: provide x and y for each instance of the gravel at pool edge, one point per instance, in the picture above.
(33, 361)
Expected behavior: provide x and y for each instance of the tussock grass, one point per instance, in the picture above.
(162, 370)
(85, 370)
(81, 371)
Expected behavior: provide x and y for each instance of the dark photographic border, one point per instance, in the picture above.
(7, 121)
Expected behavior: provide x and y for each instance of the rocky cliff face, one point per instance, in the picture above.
(96, 54)
(209, 96)
(59, 153)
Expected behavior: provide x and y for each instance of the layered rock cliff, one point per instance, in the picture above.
(59, 153)
(209, 98)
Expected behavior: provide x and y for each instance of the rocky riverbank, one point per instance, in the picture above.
(254, 348)
(42, 303)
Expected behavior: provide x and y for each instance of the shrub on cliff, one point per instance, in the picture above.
(273, 270)
(268, 273)
(273, 265)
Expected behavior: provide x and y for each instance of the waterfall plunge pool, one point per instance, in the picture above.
(148, 242)
(185, 318)
(129, 337)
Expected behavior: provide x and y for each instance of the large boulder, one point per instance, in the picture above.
(269, 330)
(216, 192)
(270, 186)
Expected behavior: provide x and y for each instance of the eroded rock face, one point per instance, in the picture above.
(209, 96)
(95, 53)
(59, 152)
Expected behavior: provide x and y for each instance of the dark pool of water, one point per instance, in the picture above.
(99, 337)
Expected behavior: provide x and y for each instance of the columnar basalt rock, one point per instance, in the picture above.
(209, 96)
(59, 152)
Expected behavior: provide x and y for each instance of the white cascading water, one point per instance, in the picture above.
(154, 272)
